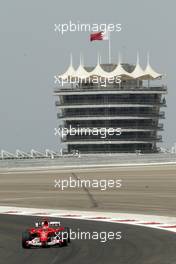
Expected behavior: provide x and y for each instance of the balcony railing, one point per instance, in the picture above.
(107, 102)
(120, 138)
(131, 128)
(97, 114)
(109, 88)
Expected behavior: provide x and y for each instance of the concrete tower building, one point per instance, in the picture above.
(93, 99)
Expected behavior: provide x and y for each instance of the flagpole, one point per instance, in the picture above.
(109, 47)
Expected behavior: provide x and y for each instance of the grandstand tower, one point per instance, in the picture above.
(133, 105)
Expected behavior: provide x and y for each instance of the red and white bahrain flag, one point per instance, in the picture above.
(102, 35)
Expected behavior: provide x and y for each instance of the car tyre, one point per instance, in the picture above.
(25, 237)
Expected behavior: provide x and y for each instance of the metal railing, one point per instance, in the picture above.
(117, 138)
(109, 88)
(122, 126)
(102, 102)
(98, 114)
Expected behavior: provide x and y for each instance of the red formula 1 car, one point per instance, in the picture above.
(46, 234)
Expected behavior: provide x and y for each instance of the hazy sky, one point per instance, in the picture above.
(31, 53)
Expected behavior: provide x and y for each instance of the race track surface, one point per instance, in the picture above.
(138, 245)
(145, 190)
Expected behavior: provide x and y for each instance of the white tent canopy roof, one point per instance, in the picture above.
(98, 70)
(120, 71)
(81, 73)
(69, 72)
(149, 72)
(137, 73)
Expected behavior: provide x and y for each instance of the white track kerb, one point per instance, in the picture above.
(150, 221)
(46, 169)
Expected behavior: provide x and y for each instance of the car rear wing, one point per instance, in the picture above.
(51, 224)
(54, 224)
